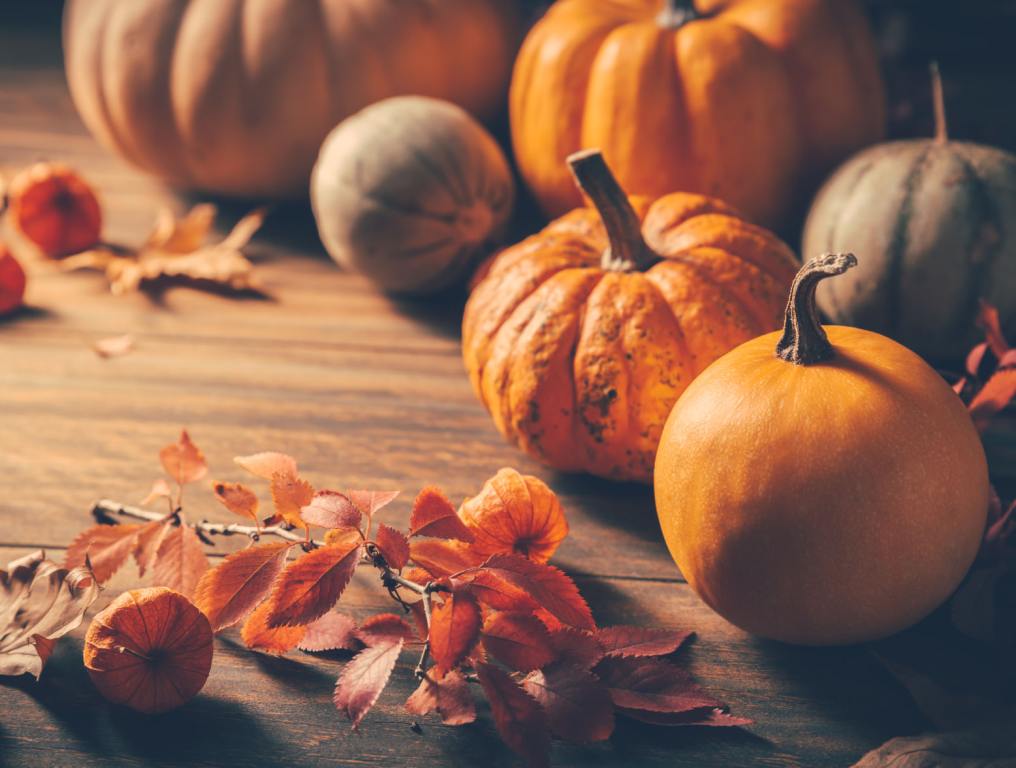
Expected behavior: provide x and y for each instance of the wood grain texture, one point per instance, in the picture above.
(366, 391)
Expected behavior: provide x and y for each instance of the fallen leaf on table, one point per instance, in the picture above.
(114, 346)
(176, 249)
(39, 602)
(640, 641)
(991, 745)
(577, 704)
(449, 696)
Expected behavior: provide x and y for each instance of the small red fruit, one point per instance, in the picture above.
(55, 208)
(12, 282)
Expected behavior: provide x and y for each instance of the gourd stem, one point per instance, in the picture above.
(804, 341)
(628, 250)
(938, 99)
(676, 13)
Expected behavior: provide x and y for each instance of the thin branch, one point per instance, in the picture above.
(421, 665)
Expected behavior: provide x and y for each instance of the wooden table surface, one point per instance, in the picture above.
(365, 391)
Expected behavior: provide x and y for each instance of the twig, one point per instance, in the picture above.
(421, 665)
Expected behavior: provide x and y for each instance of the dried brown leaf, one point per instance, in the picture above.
(237, 498)
(113, 346)
(641, 641)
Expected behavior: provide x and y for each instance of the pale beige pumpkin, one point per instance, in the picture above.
(235, 96)
(410, 191)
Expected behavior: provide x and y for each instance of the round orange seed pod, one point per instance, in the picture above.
(55, 208)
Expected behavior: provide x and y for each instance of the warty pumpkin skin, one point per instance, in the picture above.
(745, 100)
(829, 490)
(579, 339)
(410, 191)
(936, 220)
(235, 96)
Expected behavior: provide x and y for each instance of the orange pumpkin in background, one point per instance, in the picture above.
(748, 100)
(580, 339)
(236, 97)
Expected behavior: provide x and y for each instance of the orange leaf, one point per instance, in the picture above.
(269, 463)
(312, 584)
(106, 546)
(442, 558)
(183, 461)
(454, 629)
(369, 502)
(333, 631)
(385, 627)
(257, 635)
(393, 545)
(517, 640)
(237, 498)
(180, 561)
(160, 490)
(290, 495)
(234, 588)
(551, 588)
(641, 641)
(449, 695)
(433, 515)
(515, 514)
(148, 542)
(578, 705)
(519, 719)
(113, 346)
(496, 591)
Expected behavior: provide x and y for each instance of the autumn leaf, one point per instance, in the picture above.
(640, 641)
(393, 545)
(180, 561)
(332, 632)
(495, 591)
(364, 677)
(519, 719)
(291, 494)
(449, 696)
(578, 706)
(312, 584)
(231, 590)
(551, 588)
(330, 509)
(433, 515)
(183, 461)
(160, 490)
(106, 546)
(517, 640)
(267, 464)
(39, 602)
(515, 514)
(258, 636)
(369, 502)
(113, 346)
(237, 498)
(454, 629)
(442, 558)
(576, 646)
(989, 744)
(385, 628)
(148, 541)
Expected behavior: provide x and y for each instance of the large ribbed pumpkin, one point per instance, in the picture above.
(935, 221)
(235, 96)
(746, 100)
(579, 339)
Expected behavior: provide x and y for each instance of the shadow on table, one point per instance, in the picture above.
(622, 505)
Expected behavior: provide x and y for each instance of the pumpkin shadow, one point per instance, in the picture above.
(630, 506)
(439, 313)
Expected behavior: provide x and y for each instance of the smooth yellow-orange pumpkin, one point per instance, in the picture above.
(821, 486)
(579, 339)
(746, 100)
(235, 96)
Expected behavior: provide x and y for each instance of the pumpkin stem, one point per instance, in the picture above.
(938, 99)
(804, 341)
(628, 250)
(676, 13)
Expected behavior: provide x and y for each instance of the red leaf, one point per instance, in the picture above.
(385, 628)
(449, 695)
(495, 591)
(519, 719)
(576, 646)
(332, 632)
(996, 394)
(713, 717)
(106, 546)
(258, 636)
(433, 515)
(394, 546)
(180, 561)
(454, 628)
(363, 679)
(237, 498)
(370, 502)
(578, 706)
(517, 640)
(146, 547)
(442, 558)
(331, 509)
(640, 641)
(547, 585)
(183, 461)
(234, 588)
(312, 584)
(988, 321)
(269, 463)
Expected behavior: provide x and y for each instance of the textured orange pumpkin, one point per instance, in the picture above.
(580, 339)
(747, 100)
(236, 97)
(150, 650)
(823, 486)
